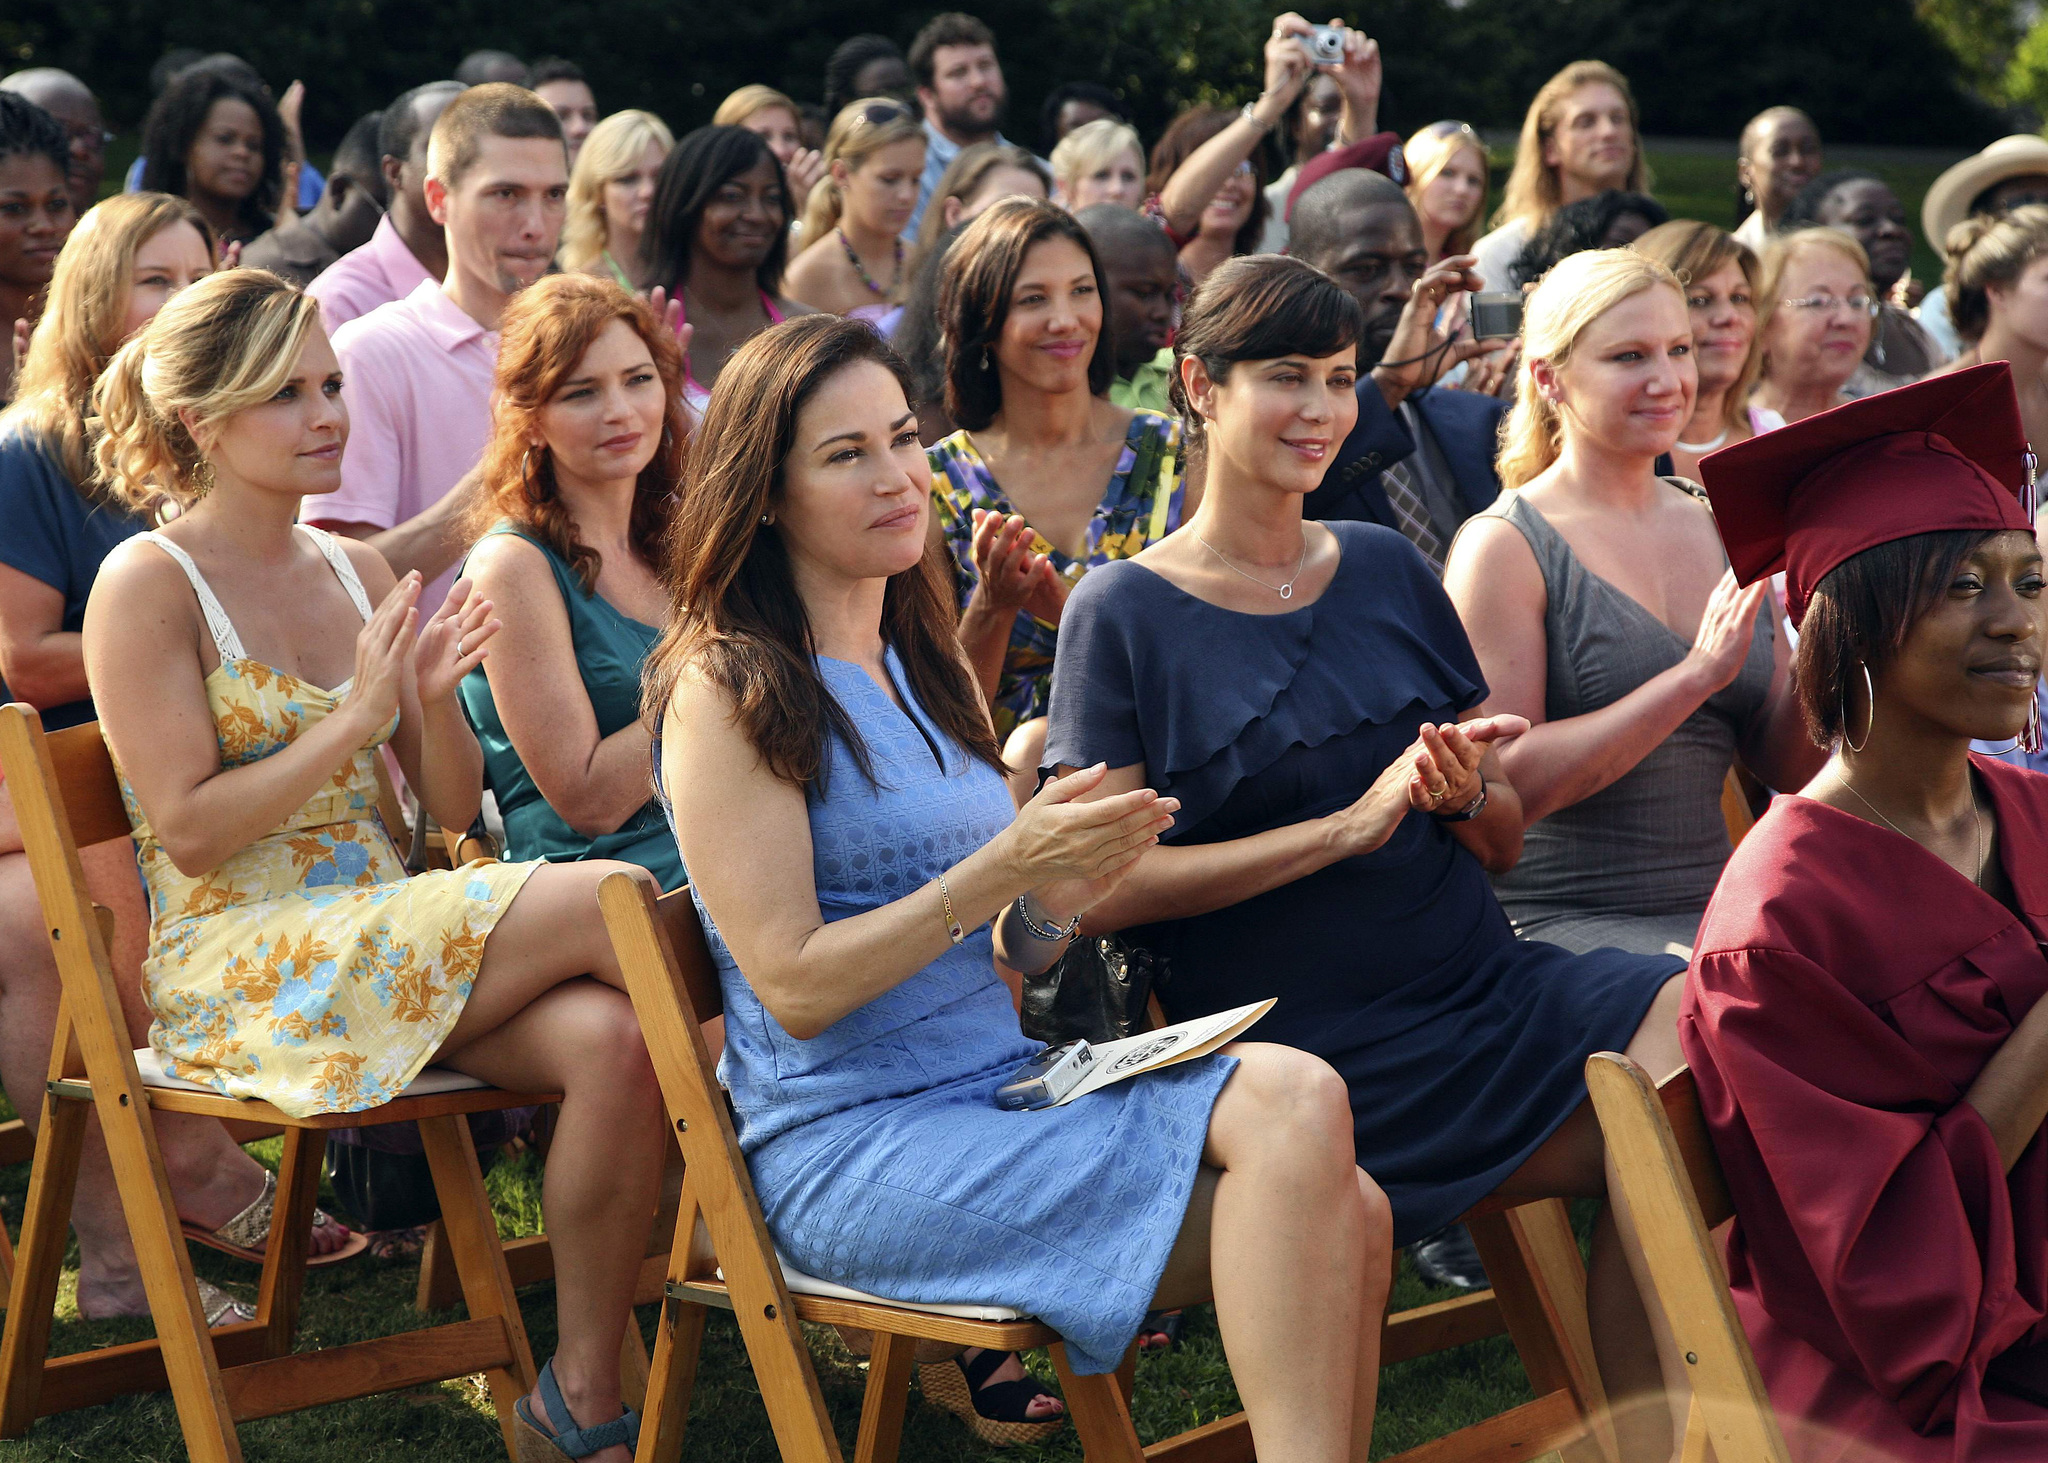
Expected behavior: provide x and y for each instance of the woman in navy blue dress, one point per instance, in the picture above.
(1299, 689)
(838, 795)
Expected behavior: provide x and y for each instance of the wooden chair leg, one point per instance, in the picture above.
(633, 1366)
(1101, 1416)
(888, 1397)
(1539, 1282)
(479, 1262)
(6, 1263)
(438, 1289)
(678, 1343)
(1127, 1374)
(32, 1294)
(289, 1244)
(1697, 1447)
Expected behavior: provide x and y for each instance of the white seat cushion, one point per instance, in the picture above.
(802, 1284)
(430, 1081)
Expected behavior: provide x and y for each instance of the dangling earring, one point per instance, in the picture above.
(984, 358)
(202, 479)
(1870, 694)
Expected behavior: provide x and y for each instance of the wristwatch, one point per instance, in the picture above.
(1465, 814)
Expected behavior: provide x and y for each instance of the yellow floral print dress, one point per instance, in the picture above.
(308, 970)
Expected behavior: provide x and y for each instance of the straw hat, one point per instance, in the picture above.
(1948, 201)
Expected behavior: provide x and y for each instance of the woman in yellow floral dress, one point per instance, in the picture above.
(291, 959)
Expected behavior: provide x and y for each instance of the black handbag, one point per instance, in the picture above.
(381, 1176)
(1097, 991)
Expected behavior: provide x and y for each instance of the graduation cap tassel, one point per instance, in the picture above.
(2029, 497)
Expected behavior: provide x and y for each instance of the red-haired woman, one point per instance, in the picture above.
(585, 454)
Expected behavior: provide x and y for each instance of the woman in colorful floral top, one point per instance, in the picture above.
(1018, 491)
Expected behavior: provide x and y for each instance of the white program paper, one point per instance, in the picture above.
(1150, 1050)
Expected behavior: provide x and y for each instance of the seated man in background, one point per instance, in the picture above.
(1420, 461)
(419, 370)
(348, 213)
(406, 248)
(1143, 271)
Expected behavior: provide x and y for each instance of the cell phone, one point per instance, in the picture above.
(1324, 44)
(1047, 1077)
(1496, 314)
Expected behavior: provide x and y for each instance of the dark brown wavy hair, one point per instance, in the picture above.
(546, 330)
(736, 616)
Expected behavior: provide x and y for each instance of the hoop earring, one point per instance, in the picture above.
(1870, 693)
(2030, 739)
(526, 480)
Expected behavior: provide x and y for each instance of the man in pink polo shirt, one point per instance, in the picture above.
(417, 373)
(407, 246)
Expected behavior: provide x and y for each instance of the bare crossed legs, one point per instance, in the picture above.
(1295, 1243)
(549, 1012)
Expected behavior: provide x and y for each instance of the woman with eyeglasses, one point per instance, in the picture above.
(1864, 206)
(1447, 182)
(1720, 274)
(1817, 307)
(1997, 284)
(853, 258)
(1601, 608)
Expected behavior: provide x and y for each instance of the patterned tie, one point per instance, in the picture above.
(1413, 514)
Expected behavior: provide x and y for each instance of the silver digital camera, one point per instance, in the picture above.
(1324, 44)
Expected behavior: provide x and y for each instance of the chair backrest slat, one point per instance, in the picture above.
(677, 914)
(87, 785)
(1666, 1167)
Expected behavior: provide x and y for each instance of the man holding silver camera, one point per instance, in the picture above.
(1418, 460)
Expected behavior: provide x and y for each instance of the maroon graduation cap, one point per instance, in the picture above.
(1942, 454)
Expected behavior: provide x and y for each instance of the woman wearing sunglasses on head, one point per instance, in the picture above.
(853, 258)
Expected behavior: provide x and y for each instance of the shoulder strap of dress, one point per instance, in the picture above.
(344, 570)
(225, 640)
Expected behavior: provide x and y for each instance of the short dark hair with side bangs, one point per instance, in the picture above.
(1860, 614)
(949, 29)
(974, 301)
(1257, 307)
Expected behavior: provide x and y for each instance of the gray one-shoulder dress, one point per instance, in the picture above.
(1633, 865)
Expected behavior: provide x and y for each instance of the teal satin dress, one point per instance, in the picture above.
(610, 648)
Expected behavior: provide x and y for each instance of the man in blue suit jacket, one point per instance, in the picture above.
(1418, 460)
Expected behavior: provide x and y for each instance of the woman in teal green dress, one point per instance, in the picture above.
(578, 482)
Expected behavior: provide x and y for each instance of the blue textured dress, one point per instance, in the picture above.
(1463, 1047)
(880, 1157)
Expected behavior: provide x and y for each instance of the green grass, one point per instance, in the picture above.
(453, 1423)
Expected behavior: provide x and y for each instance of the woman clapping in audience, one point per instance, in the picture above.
(1046, 478)
(1303, 692)
(244, 681)
(1599, 603)
(579, 482)
(838, 792)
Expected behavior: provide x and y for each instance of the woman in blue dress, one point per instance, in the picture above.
(1336, 822)
(839, 797)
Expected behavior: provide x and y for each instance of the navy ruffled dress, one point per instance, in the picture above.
(1462, 1045)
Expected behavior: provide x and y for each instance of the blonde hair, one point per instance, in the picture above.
(1090, 146)
(1778, 257)
(1578, 290)
(853, 140)
(1532, 192)
(1985, 250)
(744, 103)
(611, 151)
(228, 343)
(1695, 251)
(1428, 153)
(81, 324)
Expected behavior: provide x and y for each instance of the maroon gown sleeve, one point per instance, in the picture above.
(1874, 1216)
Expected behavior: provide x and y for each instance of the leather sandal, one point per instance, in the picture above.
(998, 1414)
(561, 1438)
(222, 1309)
(246, 1235)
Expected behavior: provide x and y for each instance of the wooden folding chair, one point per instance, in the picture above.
(1539, 1294)
(66, 795)
(16, 1146)
(1672, 1184)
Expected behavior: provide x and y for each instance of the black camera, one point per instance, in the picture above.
(1497, 315)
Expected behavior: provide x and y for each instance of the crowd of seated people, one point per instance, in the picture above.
(933, 554)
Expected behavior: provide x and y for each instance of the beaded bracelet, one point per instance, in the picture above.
(1038, 931)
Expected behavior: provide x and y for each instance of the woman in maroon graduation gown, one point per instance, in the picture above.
(1864, 1010)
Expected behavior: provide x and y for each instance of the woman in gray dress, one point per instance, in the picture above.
(1601, 608)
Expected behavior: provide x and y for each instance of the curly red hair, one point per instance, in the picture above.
(546, 331)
